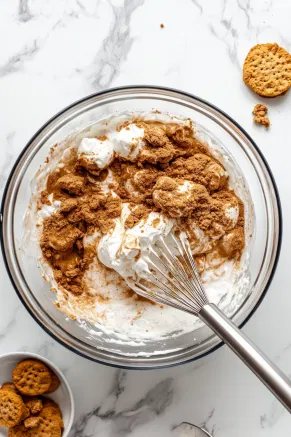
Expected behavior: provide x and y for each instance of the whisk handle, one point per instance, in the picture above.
(259, 364)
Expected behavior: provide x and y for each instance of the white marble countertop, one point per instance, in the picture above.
(54, 52)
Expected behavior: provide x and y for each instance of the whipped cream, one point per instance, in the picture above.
(125, 250)
(48, 210)
(232, 213)
(97, 151)
(127, 142)
(185, 187)
(200, 241)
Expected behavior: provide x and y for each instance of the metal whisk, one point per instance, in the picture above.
(173, 279)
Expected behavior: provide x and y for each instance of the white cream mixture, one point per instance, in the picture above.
(113, 308)
(127, 143)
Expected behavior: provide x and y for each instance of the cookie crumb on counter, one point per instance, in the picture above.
(260, 112)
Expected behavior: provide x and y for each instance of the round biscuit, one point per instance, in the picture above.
(45, 428)
(267, 70)
(8, 386)
(52, 415)
(51, 408)
(11, 408)
(31, 377)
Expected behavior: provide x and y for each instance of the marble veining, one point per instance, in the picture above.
(23, 11)
(53, 53)
(107, 416)
(116, 46)
(15, 63)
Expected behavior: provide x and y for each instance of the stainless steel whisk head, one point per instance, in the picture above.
(172, 279)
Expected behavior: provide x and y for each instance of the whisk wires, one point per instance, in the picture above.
(172, 278)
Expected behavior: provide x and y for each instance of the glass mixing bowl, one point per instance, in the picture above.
(34, 291)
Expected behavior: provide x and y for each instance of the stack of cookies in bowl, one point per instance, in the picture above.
(24, 407)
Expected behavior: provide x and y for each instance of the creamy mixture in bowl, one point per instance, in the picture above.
(108, 191)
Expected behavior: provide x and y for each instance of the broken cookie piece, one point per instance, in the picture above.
(34, 404)
(32, 422)
(260, 112)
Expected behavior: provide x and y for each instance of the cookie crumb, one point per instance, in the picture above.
(32, 422)
(34, 404)
(260, 112)
(26, 413)
(162, 26)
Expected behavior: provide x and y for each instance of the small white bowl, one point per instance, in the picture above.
(63, 395)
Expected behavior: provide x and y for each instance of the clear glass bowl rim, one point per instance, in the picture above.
(140, 89)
